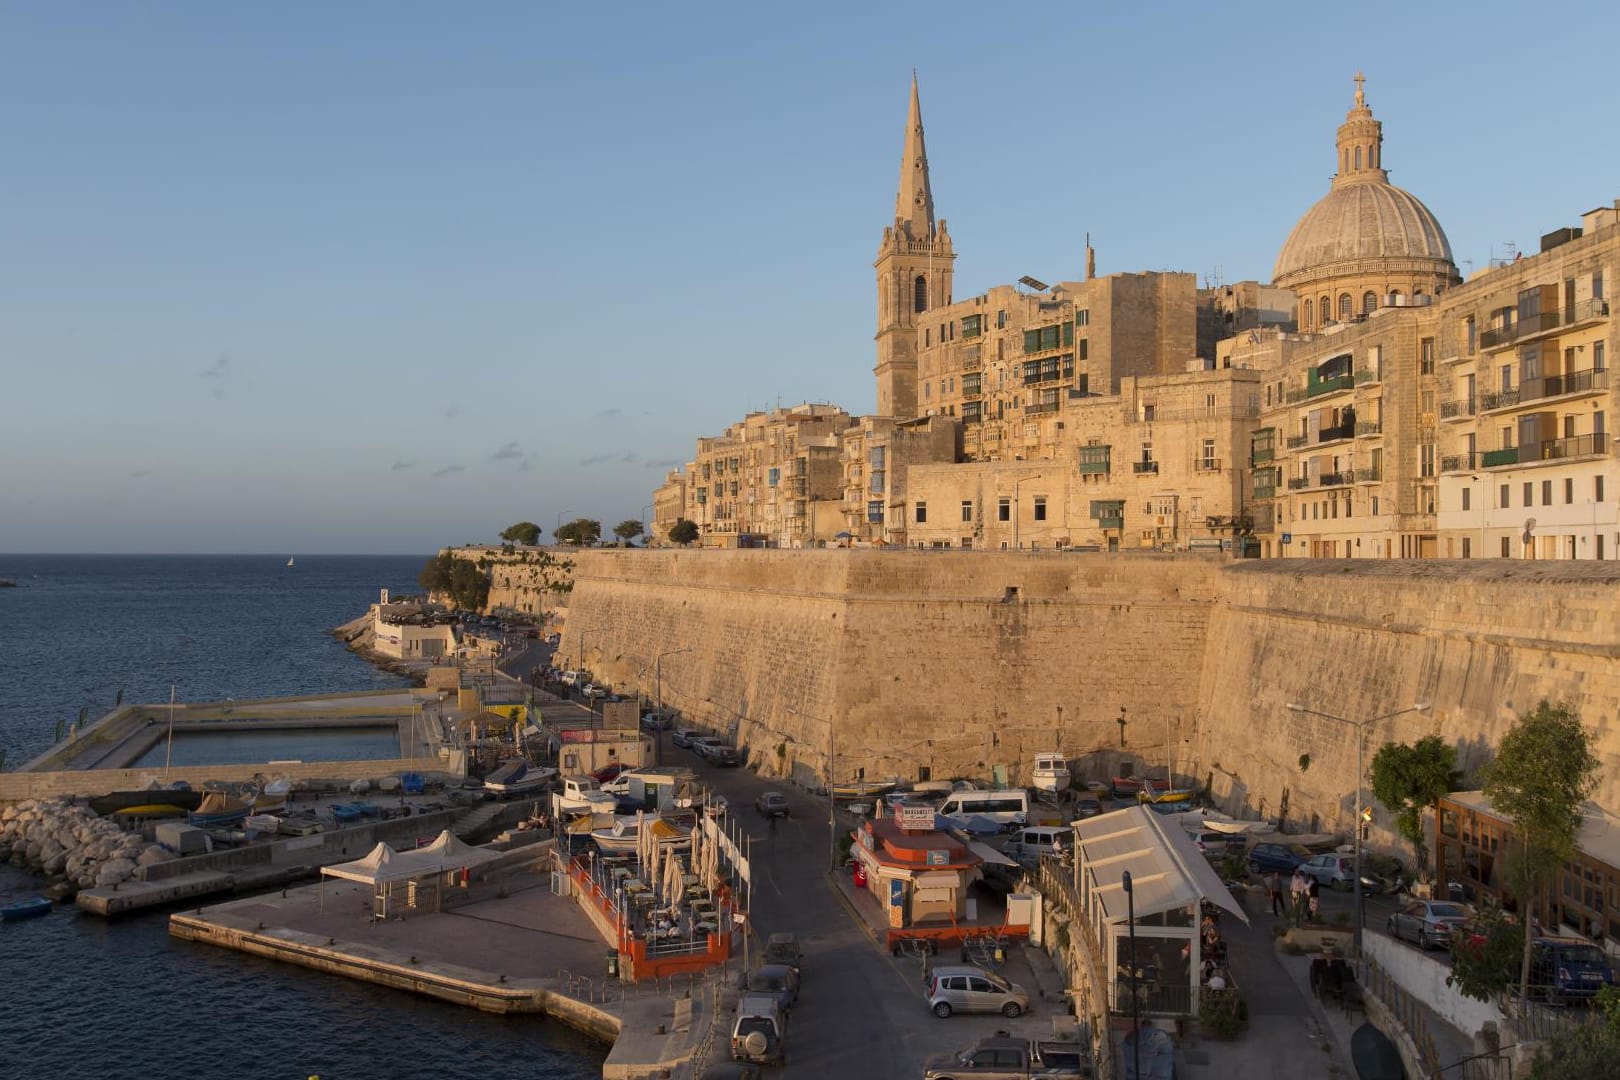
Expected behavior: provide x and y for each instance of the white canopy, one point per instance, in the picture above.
(1167, 871)
(384, 864)
(377, 868)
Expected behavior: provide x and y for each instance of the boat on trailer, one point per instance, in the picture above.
(1051, 773)
(518, 777)
(863, 789)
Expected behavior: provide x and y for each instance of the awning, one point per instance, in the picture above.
(990, 854)
(1166, 867)
(936, 881)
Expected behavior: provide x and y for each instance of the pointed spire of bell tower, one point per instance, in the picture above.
(914, 202)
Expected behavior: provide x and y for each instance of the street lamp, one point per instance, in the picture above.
(645, 525)
(557, 524)
(1361, 727)
(1136, 998)
(1016, 485)
(658, 693)
(832, 813)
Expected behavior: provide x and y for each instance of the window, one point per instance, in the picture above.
(1325, 308)
(927, 339)
(1597, 356)
(1470, 335)
(1001, 320)
(1369, 302)
(1208, 461)
(1505, 497)
(1569, 489)
(920, 516)
(1149, 412)
(1344, 307)
(874, 510)
(1426, 356)
(972, 326)
(967, 510)
(919, 295)
(1529, 493)
(1040, 508)
(1310, 309)
(1209, 404)
(1467, 495)
(1426, 459)
(1467, 548)
(1597, 488)
(1507, 552)
(1546, 493)
(1083, 317)
(1004, 509)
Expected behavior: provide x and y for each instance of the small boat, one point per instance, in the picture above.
(31, 908)
(412, 783)
(147, 812)
(106, 805)
(300, 826)
(228, 837)
(621, 838)
(517, 776)
(289, 562)
(1051, 773)
(219, 810)
(1126, 787)
(863, 789)
(262, 824)
(1158, 795)
(345, 812)
(1155, 1050)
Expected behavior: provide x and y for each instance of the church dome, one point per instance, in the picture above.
(1365, 226)
(1372, 220)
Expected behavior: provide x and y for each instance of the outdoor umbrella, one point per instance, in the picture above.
(673, 885)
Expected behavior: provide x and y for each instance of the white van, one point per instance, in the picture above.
(1037, 840)
(1007, 808)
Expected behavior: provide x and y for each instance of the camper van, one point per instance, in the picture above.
(1009, 808)
(1037, 840)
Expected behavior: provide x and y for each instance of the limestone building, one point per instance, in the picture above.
(880, 455)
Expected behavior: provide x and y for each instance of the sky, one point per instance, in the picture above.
(377, 277)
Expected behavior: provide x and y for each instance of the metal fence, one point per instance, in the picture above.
(1409, 1011)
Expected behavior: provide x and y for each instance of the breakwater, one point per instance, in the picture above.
(72, 843)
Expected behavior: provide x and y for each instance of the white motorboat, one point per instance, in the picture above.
(621, 838)
(518, 777)
(580, 795)
(1051, 773)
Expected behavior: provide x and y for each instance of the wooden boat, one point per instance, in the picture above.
(621, 837)
(863, 789)
(300, 826)
(147, 812)
(262, 824)
(1126, 787)
(1051, 773)
(31, 908)
(219, 810)
(111, 803)
(517, 777)
(228, 837)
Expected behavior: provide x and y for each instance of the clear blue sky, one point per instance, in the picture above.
(374, 277)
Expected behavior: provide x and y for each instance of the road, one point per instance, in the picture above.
(861, 1012)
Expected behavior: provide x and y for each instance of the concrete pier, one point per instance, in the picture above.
(508, 946)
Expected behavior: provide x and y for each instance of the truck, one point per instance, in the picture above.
(1001, 1057)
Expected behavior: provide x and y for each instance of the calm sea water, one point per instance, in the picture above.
(85, 998)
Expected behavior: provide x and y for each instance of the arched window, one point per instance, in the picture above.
(1358, 157)
(919, 290)
(1344, 307)
(1324, 309)
(1309, 314)
(1395, 298)
(1369, 302)
(1346, 160)
(1372, 156)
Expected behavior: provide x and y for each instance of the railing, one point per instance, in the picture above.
(1494, 337)
(1367, 375)
(1110, 523)
(1501, 399)
(1042, 407)
(1333, 434)
(1574, 382)
(1408, 1011)
(1297, 441)
(971, 395)
(1490, 459)
(1460, 462)
(1156, 998)
(1261, 454)
(1294, 396)
(1337, 479)
(1205, 464)
(1451, 410)
(1268, 491)
(1498, 336)
(1574, 446)
(1298, 483)
(1369, 476)
(1331, 385)
(1144, 468)
(1595, 308)
(1369, 427)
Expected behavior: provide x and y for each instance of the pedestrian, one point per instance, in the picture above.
(1297, 889)
(1311, 897)
(1274, 890)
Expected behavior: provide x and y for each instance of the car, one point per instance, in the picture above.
(1213, 844)
(1566, 969)
(571, 678)
(1429, 923)
(784, 949)
(1087, 807)
(772, 804)
(593, 691)
(700, 744)
(1338, 871)
(684, 737)
(759, 1031)
(719, 752)
(779, 980)
(963, 988)
(609, 772)
(1264, 858)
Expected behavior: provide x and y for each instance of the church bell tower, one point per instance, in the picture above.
(913, 274)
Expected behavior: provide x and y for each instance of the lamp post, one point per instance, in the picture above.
(645, 525)
(832, 812)
(1136, 998)
(1017, 484)
(557, 524)
(1361, 727)
(658, 694)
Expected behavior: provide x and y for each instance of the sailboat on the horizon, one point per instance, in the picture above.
(289, 562)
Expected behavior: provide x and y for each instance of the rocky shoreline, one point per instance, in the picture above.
(358, 637)
(72, 846)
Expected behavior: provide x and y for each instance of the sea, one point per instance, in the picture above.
(83, 997)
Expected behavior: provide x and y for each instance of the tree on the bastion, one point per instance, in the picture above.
(683, 532)
(1408, 779)
(579, 532)
(627, 530)
(526, 533)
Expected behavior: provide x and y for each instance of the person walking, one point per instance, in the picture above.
(1311, 897)
(1297, 889)
(1274, 891)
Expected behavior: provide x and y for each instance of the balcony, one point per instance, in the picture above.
(1337, 479)
(971, 395)
(1491, 459)
(1110, 523)
(1206, 464)
(1369, 427)
(1501, 399)
(1573, 447)
(1586, 310)
(971, 357)
(1330, 385)
(1145, 468)
(1268, 491)
(1575, 382)
(1500, 337)
(1368, 375)
(1298, 483)
(1042, 407)
(1334, 434)
(1461, 462)
(1461, 409)
(1297, 441)
(1369, 476)
(1095, 460)
(1262, 454)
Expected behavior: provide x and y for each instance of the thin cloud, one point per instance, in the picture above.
(215, 375)
(631, 458)
(608, 414)
(138, 473)
(449, 470)
(452, 410)
(670, 463)
(401, 466)
(595, 459)
(510, 452)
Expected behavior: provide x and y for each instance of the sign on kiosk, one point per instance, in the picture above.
(914, 818)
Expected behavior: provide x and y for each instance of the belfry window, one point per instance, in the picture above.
(1369, 302)
(919, 289)
(1325, 309)
(1309, 312)
(1344, 307)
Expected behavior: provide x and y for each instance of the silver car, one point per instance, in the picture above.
(1429, 923)
(970, 989)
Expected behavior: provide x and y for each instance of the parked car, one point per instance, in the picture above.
(1338, 871)
(1429, 923)
(778, 980)
(720, 752)
(684, 737)
(1213, 844)
(1087, 807)
(609, 772)
(784, 949)
(759, 1031)
(772, 804)
(593, 691)
(1264, 858)
(699, 744)
(571, 678)
(969, 989)
(1568, 969)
